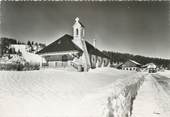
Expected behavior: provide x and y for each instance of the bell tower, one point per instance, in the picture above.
(78, 32)
(78, 39)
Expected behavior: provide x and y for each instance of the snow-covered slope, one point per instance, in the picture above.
(32, 58)
(57, 93)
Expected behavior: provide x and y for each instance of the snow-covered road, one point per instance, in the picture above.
(145, 104)
(152, 100)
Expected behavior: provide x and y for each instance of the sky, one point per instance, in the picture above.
(140, 28)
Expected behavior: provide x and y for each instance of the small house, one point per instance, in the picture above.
(131, 65)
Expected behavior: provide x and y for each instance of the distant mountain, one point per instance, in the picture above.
(117, 57)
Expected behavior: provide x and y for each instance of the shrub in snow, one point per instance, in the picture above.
(19, 67)
(29, 66)
(8, 66)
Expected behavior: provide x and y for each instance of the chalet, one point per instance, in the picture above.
(131, 65)
(73, 51)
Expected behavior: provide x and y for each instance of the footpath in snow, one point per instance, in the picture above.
(148, 100)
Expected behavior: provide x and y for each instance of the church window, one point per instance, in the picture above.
(77, 31)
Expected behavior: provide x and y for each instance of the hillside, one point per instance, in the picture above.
(123, 57)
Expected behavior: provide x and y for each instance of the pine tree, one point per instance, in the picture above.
(29, 43)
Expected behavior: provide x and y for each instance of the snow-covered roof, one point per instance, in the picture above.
(92, 50)
(135, 62)
(150, 65)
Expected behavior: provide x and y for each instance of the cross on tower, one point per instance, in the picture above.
(77, 19)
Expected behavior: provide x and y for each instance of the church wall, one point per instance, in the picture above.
(58, 57)
(57, 61)
(57, 64)
(51, 64)
(105, 62)
(99, 61)
(93, 61)
(109, 63)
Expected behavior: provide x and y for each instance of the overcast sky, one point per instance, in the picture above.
(130, 27)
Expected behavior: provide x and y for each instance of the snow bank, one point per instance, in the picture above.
(48, 93)
(119, 104)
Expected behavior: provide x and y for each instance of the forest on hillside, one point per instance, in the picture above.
(123, 57)
(5, 43)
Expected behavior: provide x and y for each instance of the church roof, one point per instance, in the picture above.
(64, 43)
(81, 24)
(92, 50)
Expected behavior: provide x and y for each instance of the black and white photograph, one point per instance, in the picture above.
(78, 58)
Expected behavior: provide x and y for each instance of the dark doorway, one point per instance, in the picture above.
(64, 60)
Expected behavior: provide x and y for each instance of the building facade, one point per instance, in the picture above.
(131, 65)
(150, 68)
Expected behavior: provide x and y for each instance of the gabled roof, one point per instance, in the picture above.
(64, 43)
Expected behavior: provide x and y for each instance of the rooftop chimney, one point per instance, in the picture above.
(94, 42)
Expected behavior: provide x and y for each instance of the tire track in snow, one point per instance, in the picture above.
(150, 101)
(163, 99)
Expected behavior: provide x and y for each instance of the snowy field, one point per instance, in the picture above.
(59, 93)
(165, 73)
(164, 82)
